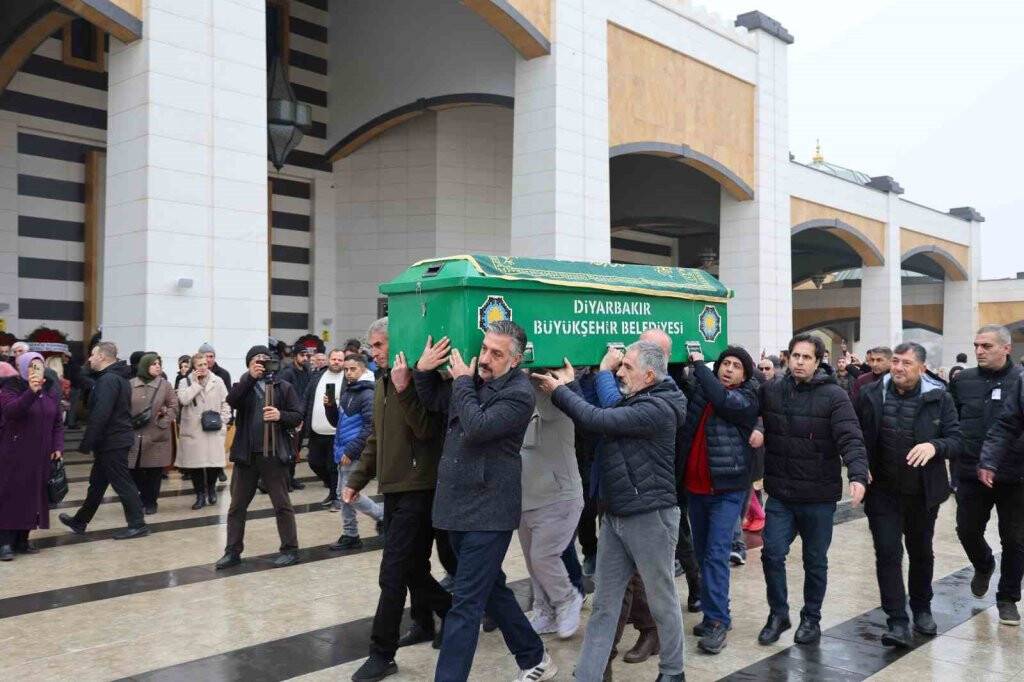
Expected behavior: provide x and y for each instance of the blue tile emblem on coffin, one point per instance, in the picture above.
(710, 323)
(493, 310)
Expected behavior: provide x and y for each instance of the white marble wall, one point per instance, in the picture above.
(186, 181)
(881, 290)
(9, 223)
(960, 318)
(437, 185)
(560, 201)
(754, 254)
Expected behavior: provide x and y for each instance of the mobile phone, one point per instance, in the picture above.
(332, 393)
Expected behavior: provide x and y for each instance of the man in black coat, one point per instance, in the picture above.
(811, 431)
(109, 436)
(479, 492)
(300, 374)
(261, 424)
(636, 464)
(910, 431)
(982, 395)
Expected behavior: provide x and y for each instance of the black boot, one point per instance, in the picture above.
(211, 493)
(775, 626)
(808, 632)
(925, 624)
(898, 635)
(200, 501)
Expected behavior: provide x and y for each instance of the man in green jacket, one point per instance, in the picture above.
(402, 453)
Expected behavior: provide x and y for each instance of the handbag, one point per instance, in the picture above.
(210, 420)
(57, 483)
(140, 420)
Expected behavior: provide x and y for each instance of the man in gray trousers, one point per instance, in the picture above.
(636, 466)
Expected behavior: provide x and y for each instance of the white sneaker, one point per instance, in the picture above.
(568, 617)
(543, 621)
(545, 670)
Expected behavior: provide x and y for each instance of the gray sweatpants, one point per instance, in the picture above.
(644, 543)
(544, 533)
(373, 509)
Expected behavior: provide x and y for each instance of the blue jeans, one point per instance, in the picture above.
(364, 503)
(712, 521)
(480, 586)
(812, 521)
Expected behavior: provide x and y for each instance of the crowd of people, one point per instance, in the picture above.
(649, 467)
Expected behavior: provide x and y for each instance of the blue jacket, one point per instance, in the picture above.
(354, 421)
(733, 415)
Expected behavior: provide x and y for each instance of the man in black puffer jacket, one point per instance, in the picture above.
(715, 456)
(108, 436)
(991, 469)
(910, 431)
(636, 466)
(811, 430)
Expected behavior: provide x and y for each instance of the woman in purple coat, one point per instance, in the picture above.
(31, 434)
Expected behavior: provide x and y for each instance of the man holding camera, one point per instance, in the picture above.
(262, 449)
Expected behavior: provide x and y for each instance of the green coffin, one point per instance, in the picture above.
(568, 309)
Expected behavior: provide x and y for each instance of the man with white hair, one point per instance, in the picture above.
(638, 486)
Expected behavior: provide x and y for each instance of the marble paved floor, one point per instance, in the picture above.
(153, 608)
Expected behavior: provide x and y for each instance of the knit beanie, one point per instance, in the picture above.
(207, 348)
(740, 354)
(254, 351)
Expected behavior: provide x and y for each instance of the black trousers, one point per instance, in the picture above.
(147, 480)
(684, 548)
(974, 503)
(18, 539)
(111, 469)
(894, 520)
(321, 461)
(244, 478)
(445, 553)
(204, 479)
(405, 566)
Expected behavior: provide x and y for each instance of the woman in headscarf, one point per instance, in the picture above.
(184, 367)
(201, 451)
(31, 434)
(151, 451)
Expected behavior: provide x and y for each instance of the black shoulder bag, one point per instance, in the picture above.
(209, 420)
(140, 420)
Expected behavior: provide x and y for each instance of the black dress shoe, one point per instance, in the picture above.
(327, 501)
(27, 548)
(6, 553)
(416, 635)
(286, 559)
(375, 668)
(809, 632)
(773, 629)
(73, 526)
(200, 502)
(713, 639)
(296, 484)
(227, 561)
(346, 542)
(898, 635)
(925, 624)
(131, 533)
(149, 509)
(211, 494)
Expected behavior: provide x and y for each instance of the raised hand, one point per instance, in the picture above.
(459, 367)
(401, 375)
(434, 354)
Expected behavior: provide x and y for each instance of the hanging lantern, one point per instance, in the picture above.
(287, 118)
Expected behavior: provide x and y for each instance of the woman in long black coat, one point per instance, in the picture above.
(31, 434)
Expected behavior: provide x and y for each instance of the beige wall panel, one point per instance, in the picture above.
(1008, 312)
(802, 210)
(660, 95)
(912, 239)
(538, 12)
(929, 315)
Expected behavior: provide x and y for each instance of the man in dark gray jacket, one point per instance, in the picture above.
(479, 493)
(636, 465)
